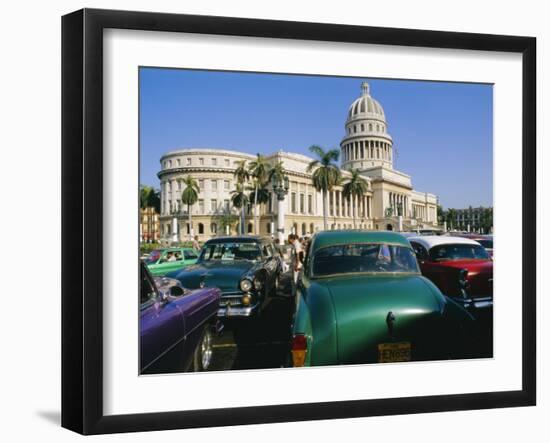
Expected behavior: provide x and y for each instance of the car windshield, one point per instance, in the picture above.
(365, 257)
(458, 252)
(488, 244)
(152, 257)
(230, 251)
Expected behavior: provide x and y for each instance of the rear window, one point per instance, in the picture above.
(367, 258)
(458, 252)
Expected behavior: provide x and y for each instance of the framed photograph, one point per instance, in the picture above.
(268, 221)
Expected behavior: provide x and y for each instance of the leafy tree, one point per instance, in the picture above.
(189, 197)
(355, 188)
(326, 174)
(225, 218)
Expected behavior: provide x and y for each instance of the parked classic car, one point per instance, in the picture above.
(176, 325)
(463, 270)
(245, 268)
(361, 299)
(449, 261)
(162, 261)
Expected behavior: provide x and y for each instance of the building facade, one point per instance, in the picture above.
(470, 219)
(149, 225)
(390, 202)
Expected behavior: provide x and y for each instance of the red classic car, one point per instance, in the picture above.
(455, 264)
(463, 270)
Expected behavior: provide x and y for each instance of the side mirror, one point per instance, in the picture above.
(176, 291)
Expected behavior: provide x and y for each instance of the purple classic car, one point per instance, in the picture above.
(176, 325)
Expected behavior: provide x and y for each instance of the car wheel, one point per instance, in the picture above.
(203, 353)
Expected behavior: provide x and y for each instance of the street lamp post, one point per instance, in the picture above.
(175, 233)
(280, 187)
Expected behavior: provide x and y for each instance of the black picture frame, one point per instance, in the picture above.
(82, 231)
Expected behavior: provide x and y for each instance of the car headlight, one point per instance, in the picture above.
(245, 285)
(257, 284)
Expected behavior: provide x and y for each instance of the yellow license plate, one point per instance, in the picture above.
(394, 352)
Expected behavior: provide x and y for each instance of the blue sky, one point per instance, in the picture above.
(443, 132)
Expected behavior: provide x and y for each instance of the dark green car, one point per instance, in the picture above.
(361, 299)
(161, 261)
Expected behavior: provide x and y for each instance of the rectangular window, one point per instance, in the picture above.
(226, 185)
(201, 161)
(302, 204)
(214, 162)
(226, 205)
(213, 205)
(201, 183)
(188, 161)
(310, 204)
(201, 206)
(179, 162)
(214, 185)
(227, 162)
(293, 202)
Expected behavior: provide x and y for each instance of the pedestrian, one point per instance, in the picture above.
(196, 244)
(297, 259)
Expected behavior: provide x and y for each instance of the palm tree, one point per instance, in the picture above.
(189, 197)
(239, 199)
(260, 194)
(259, 170)
(277, 171)
(326, 174)
(242, 174)
(355, 188)
(149, 197)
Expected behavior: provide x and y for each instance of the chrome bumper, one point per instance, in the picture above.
(237, 311)
(475, 303)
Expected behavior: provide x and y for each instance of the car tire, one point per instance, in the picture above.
(202, 359)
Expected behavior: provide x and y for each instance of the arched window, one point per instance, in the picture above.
(187, 228)
(333, 227)
(295, 228)
(370, 127)
(201, 228)
(303, 229)
(268, 228)
(214, 228)
(311, 228)
(249, 228)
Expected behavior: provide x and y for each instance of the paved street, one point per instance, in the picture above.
(261, 343)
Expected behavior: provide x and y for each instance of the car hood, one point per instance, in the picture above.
(362, 304)
(220, 274)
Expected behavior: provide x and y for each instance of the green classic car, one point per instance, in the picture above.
(161, 261)
(362, 299)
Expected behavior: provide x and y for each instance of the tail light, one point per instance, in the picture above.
(299, 349)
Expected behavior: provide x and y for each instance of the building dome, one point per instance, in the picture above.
(367, 143)
(365, 106)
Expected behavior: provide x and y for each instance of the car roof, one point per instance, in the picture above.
(429, 241)
(329, 238)
(238, 238)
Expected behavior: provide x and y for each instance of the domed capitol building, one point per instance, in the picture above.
(390, 202)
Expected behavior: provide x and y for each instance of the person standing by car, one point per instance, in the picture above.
(196, 245)
(297, 258)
